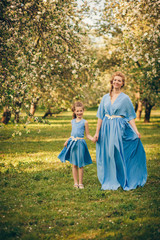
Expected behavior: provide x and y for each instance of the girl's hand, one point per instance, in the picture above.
(96, 136)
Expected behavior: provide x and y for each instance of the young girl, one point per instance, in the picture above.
(76, 150)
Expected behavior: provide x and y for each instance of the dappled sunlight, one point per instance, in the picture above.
(86, 113)
(55, 124)
(29, 139)
(152, 146)
(37, 161)
(44, 139)
(151, 135)
(148, 125)
(48, 125)
(90, 234)
(152, 151)
(65, 114)
(155, 112)
(69, 121)
(60, 121)
(31, 162)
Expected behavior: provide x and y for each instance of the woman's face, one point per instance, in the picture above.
(79, 112)
(117, 82)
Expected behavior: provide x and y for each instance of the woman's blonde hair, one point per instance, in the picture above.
(120, 74)
(76, 104)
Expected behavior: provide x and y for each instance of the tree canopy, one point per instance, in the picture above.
(45, 54)
(49, 57)
(131, 29)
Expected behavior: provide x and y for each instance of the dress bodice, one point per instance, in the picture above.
(78, 128)
(122, 106)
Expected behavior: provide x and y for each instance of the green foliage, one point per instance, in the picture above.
(131, 35)
(38, 200)
(48, 56)
(45, 55)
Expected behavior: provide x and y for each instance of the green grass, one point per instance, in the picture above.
(37, 198)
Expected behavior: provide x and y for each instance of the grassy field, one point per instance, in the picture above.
(37, 198)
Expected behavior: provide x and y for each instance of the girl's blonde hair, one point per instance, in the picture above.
(120, 74)
(76, 104)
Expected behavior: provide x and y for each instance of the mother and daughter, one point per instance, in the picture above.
(120, 156)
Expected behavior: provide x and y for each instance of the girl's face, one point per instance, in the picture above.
(79, 112)
(117, 82)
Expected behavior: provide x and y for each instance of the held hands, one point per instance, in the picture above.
(96, 136)
(94, 139)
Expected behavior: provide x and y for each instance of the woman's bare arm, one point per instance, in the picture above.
(133, 124)
(99, 123)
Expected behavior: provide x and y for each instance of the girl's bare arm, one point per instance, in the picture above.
(87, 132)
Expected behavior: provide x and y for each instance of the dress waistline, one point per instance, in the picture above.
(113, 116)
(75, 138)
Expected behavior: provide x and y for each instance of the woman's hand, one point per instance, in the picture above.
(65, 144)
(138, 134)
(99, 123)
(132, 123)
(94, 140)
(96, 136)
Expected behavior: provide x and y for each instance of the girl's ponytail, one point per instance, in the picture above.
(73, 115)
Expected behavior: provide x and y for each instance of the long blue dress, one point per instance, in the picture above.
(76, 151)
(121, 159)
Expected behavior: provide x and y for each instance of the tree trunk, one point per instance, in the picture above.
(148, 108)
(47, 113)
(136, 107)
(6, 115)
(33, 109)
(139, 110)
(16, 117)
(17, 111)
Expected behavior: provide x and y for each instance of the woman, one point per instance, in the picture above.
(121, 159)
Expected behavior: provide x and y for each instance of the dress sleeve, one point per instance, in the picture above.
(101, 110)
(130, 112)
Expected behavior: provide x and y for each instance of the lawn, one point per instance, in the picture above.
(38, 201)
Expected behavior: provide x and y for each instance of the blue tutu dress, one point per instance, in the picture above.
(120, 156)
(76, 151)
